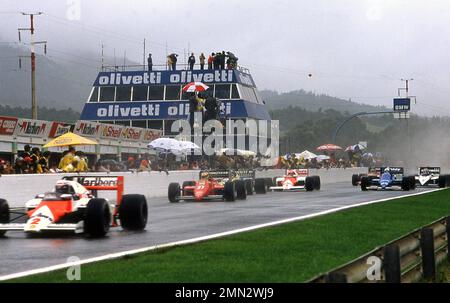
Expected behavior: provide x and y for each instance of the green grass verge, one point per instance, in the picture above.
(293, 252)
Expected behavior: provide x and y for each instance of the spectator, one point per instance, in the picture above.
(26, 151)
(169, 62)
(202, 61)
(211, 61)
(35, 156)
(82, 165)
(44, 162)
(172, 61)
(216, 61)
(191, 61)
(150, 62)
(145, 164)
(67, 158)
(222, 60)
(195, 165)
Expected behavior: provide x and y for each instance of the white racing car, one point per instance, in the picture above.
(431, 176)
(296, 179)
(74, 207)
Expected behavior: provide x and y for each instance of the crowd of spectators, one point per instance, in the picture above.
(216, 60)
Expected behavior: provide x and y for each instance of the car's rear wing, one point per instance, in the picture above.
(96, 183)
(393, 169)
(225, 173)
(430, 169)
(299, 171)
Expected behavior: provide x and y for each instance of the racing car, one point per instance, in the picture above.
(212, 185)
(431, 176)
(296, 179)
(73, 206)
(388, 178)
(372, 171)
(252, 184)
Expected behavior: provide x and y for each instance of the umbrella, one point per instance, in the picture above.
(165, 145)
(238, 152)
(195, 87)
(306, 154)
(69, 139)
(329, 147)
(188, 145)
(355, 147)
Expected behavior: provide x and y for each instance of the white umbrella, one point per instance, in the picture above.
(306, 154)
(238, 152)
(165, 145)
(188, 145)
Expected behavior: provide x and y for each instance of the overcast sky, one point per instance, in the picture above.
(358, 49)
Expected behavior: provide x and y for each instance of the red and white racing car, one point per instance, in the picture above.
(74, 207)
(296, 179)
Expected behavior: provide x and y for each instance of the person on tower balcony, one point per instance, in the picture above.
(211, 61)
(191, 61)
(202, 61)
(150, 62)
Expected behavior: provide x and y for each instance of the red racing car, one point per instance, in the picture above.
(217, 185)
(74, 207)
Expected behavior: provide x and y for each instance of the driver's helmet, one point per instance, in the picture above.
(387, 170)
(425, 172)
(62, 188)
(233, 174)
(204, 175)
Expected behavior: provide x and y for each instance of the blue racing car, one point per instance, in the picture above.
(388, 178)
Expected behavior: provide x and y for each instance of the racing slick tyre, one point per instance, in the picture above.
(133, 212)
(364, 183)
(269, 183)
(309, 183)
(98, 218)
(406, 184)
(316, 182)
(4, 214)
(412, 180)
(260, 186)
(249, 186)
(355, 179)
(229, 192)
(174, 192)
(241, 190)
(442, 182)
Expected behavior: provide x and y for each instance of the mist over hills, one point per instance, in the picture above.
(64, 82)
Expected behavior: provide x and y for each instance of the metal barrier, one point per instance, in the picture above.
(410, 258)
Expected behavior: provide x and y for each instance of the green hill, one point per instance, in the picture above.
(312, 102)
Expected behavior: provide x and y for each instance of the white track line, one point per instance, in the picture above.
(196, 240)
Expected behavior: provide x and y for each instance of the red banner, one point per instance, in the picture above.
(7, 125)
(131, 133)
(110, 131)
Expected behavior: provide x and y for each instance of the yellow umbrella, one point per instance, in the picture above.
(69, 139)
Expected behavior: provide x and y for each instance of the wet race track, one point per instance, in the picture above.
(180, 221)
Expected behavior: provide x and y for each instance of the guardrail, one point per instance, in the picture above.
(410, 258)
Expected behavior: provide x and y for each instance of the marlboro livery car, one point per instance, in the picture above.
(296, 179)
(212, 185)
(431, 176)
(74, 207)
(388, 178)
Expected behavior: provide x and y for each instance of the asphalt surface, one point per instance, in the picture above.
(174, 222)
